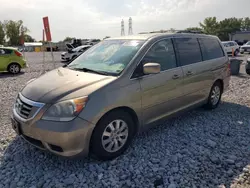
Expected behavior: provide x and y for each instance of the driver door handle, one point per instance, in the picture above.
(189, 73)
(176, 76)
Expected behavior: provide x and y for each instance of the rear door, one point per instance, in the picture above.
(161, 92)
(5, 55)
(197, 75)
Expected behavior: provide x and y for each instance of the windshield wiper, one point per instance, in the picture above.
(90, 70)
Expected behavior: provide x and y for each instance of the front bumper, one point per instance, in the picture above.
(62, 138)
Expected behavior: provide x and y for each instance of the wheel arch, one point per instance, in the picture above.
(221, 83)
(126, 109)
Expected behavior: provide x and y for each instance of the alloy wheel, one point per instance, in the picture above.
(215, 96)
(115, 136)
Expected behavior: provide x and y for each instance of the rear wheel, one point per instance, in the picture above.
(214, 96)
(112, 135)
(14, 68)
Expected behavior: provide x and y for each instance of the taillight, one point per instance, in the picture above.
(19, 54)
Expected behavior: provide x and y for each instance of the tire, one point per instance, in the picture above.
(103, 146)
(14, 68)
(214, 96)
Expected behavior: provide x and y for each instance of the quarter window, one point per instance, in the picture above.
(188, 50)
(163, 53)
(211, 48)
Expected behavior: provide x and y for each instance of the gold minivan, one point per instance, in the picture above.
(117, 88)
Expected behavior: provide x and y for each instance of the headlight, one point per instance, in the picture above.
(65, 110)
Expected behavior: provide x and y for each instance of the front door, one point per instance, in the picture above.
(161, 92)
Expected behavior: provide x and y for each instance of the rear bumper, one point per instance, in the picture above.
(67, 139)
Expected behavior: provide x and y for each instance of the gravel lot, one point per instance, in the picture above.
(198, 149)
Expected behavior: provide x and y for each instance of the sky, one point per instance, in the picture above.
(100, 18)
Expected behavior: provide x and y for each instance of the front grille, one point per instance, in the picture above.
(23, 109)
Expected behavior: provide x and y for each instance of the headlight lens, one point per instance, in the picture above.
(65, 110)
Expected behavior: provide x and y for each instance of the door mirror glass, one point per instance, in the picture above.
(151, 68)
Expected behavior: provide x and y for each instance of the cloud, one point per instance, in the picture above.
(97, 18)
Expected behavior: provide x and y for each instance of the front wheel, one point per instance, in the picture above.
(112, 135)
(214, 96)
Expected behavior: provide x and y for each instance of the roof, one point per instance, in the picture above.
(242, 32)
(33, 44)
(139, 36)
(227, 41)
(153, 34)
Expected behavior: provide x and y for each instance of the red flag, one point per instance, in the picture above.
(47, 28)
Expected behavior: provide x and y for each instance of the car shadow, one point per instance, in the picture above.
(7, 74)
(198, 149)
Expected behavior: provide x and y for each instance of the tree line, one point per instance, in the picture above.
(12, 31)
(222, 28)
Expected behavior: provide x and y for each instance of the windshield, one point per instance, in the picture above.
(225, 43)
(110, 56)
(248, 43)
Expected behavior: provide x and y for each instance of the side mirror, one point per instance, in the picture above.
(151, 68)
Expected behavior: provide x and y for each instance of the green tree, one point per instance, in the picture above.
(28, 38)
(198, 29)
(228, 26)
(14, 30)
(210, 26)
(2, 34)
(68, 39)
(245, 25)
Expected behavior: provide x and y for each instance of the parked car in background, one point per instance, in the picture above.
(93, 41)
(117, 88)
(11, 60)
(231, 46)
(245, 48)
(73, 53)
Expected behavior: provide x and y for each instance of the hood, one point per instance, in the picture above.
(62, 84)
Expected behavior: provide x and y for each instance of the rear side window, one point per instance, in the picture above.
(5, 51)
(188, 50)
(210, 48)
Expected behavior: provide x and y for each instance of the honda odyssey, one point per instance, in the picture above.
(117, 88)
